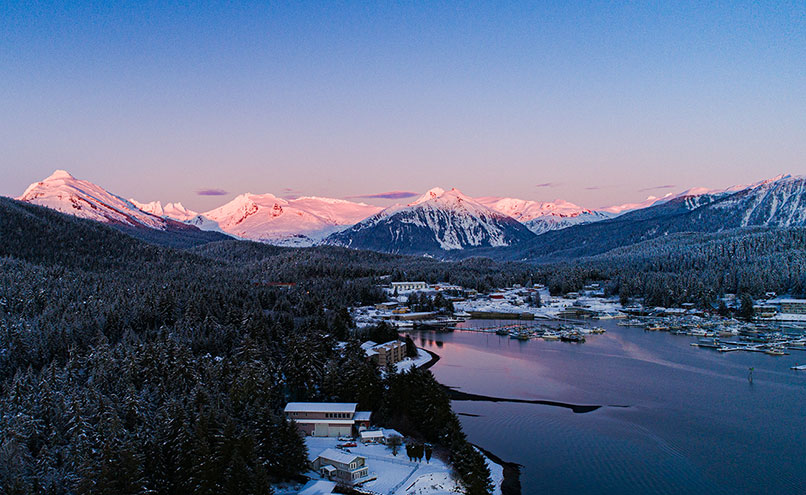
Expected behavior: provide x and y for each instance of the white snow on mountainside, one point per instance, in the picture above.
(541, 216)
(779, 202)
(692, 192)
(174, 211)
(63, 192)
(440, 219)
(296, 222)
(446, 220)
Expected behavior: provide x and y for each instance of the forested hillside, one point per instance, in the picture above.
(693, 267)
(131, 368)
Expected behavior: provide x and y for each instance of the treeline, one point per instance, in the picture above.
(130, 368)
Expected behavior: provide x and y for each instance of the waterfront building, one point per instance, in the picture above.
(393, 352)
(399, 286)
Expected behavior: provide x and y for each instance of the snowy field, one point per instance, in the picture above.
(551, 308)
(396, 475)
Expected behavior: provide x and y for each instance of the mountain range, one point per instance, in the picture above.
(443, 223)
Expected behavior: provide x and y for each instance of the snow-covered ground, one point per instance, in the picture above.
(422, 358)
(396, 475)
(496, 473)
(513, 302)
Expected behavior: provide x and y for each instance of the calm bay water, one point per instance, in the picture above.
(676, 419)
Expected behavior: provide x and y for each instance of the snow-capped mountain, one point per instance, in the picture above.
(779, 202)
(541, 216)
(63, 192)
(174, 211)
(296, 222)
(438, 221)
(776, 202)
(692, 192)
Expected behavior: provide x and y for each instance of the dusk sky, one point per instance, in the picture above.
(597, 103)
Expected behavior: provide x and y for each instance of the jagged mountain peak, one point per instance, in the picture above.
(174, 211)
(438, 221)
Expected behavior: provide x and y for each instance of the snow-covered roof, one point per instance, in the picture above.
(345, 407)
(372, 434)
(389, 432)
(317, 487)
(337, 456)
(368, 345)
(362, 415)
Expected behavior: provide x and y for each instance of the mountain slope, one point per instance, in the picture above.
(778, 202)
(83, 199)
(296, 222)
(63, 192)
(541, 216)
(438, 221)
(174, 211)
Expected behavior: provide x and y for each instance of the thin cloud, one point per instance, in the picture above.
(290, 193)
(212, 192)
(548, 184)
(593, 188)
(655, 188)
(386, 195)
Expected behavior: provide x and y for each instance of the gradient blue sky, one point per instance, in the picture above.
(593, 102)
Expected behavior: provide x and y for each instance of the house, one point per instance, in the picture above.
(393, 351)
(386, 306)
(342, 467)
(317, 487)
(372, 436)
(399, 286)
(327, 419)
(389, 433)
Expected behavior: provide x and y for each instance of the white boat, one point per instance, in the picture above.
(550, 336)
(802, 367)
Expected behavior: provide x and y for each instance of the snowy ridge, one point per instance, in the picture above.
(779, 202)
(540, 216)
(297, 222)
(174, 211)
(63, 192)
(436, 222)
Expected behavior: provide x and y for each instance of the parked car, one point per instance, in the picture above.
(346, 445)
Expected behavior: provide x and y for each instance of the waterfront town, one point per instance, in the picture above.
(346, 449)
(772, 325)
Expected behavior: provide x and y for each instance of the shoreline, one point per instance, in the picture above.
(511, 485)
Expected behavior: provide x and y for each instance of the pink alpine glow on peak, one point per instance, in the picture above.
(63, 192)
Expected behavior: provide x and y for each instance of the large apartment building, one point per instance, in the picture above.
(393, 351)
